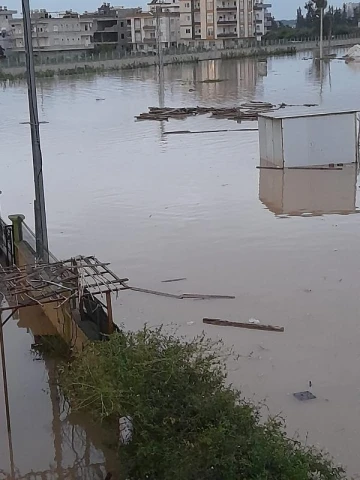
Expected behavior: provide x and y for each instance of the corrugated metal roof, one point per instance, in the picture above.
(294, 112)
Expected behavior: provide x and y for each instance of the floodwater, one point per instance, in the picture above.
(161, 206)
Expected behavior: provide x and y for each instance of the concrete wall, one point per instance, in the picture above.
(145, 61)
(59, 317)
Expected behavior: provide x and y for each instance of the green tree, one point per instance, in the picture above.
(300, 21)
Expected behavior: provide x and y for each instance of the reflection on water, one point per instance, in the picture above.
(308, 191)
(72, 447)
(188, 206)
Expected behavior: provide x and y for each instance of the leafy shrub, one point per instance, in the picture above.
(187, 423)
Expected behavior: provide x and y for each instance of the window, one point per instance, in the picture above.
(188, 18)
(187, 5)
(129, 34)
(210, 18)
(210, 5)
(86, 27)
(188, 30)
(56, 28)
(172, 20)
(122, 24)
(128, 22)
(122, 36)
(141, 47)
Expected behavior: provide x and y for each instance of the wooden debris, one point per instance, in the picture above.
(250, 326)
(188, 132)
(246, 111)
(173, 280)
(205, 297)
(182, 296)
(155, 292)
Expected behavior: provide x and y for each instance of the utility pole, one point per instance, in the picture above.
(321, 33)
(159, 47)
(42, 248)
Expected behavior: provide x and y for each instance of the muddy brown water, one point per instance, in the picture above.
(163, 206)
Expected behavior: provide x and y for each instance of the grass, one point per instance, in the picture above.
(188, 424)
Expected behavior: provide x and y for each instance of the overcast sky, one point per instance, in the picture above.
(282, 9)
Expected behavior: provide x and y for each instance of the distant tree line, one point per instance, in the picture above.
(336, 22)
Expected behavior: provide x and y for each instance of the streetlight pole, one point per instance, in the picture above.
(321, 33)
(42, 248)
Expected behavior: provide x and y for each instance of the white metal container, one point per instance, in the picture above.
(308, 137)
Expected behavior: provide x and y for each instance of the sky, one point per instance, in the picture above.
(282, 9)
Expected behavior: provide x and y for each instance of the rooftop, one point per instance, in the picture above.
(295, 112)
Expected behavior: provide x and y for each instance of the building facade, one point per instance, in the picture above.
(159, 25)
(6, 17)
(68, 31)
(263, 18)
(110, 26)
(222, 19)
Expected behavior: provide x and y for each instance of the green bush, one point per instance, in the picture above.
(187, 423)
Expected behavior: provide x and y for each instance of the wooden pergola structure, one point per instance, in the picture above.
(61, 283)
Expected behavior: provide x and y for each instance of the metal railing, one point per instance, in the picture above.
(28, 236)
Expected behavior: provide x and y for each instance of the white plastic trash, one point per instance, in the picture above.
(125, 430)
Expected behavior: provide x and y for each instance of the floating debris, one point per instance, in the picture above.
(254, 321)
(183, 296)
(246, 111)
(173, 280)
(251, 326)
(302, 396)
(213, 80)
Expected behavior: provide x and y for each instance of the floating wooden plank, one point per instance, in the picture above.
(205, 297)
(182, 296)
(173, 280)
(155, 292)
(250, 326)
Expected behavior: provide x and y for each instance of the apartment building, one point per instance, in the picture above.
(50, 32)
(263, 19)
(110, 26)
(160, 24)
(5, 28)
(220, 19)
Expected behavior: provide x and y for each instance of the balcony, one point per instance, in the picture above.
(262, 6)
(227, 9)
(227, 35)
(150, 40)
(227, 22)
(149, 27)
